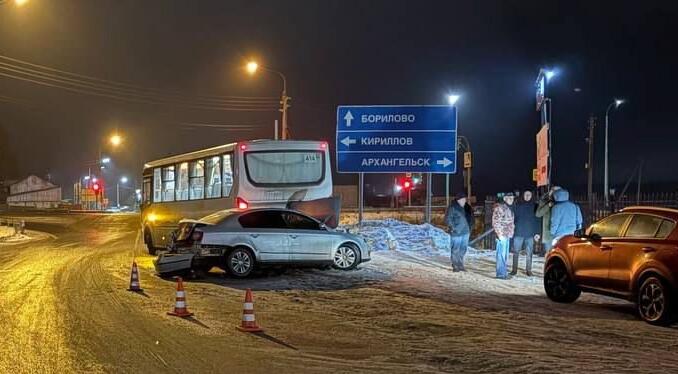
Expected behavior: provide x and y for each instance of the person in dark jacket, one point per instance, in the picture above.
(458, 225)
(528, 227)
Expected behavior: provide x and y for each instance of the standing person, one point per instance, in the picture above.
(458, 225)
(544, 212)
(566, 216)
(527, 232)
(503, 225)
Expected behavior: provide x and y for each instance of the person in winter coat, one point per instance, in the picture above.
(528, 227)
(504, 226)
(460, 231)
(544, 212)
(566, 216)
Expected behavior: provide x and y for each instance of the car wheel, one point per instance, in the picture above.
(654, 302)
(558, 285)
(240, 262)
(346, 257)
(148, 239)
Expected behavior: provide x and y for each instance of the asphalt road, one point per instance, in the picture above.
(64, 308)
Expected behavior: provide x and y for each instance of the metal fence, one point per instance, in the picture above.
(592, 211)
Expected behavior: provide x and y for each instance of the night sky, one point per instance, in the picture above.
(344, 52)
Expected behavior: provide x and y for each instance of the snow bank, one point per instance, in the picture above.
(395, 235)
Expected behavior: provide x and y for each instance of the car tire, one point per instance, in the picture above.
(148, 239)
(346, 257)
(558, 284)
(240, 262)
(654, 302)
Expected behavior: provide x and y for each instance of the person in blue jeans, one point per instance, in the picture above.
(460, 231)
(504, 226)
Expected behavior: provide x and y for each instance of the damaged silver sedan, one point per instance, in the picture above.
(240, 241)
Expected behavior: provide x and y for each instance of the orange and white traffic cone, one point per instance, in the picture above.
(134, 279)
(180, 309)
(249, 323)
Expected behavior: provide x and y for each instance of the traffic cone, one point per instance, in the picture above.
(180, 309)
(249, 323)
(134, 279)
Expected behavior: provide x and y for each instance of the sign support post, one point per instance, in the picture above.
(361, 197)
(429, 189)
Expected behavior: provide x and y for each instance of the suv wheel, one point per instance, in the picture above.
(558, 285)
(654, 302)
(240, 262)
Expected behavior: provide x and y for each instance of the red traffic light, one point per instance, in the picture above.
(407, 184)
(96, 187)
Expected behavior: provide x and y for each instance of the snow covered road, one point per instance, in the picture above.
(66, 309)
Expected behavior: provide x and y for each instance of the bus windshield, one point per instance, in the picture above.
(285, 168)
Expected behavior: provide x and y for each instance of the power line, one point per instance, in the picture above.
(131, 86)
(137, 94)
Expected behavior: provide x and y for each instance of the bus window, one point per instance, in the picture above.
(182, 182)
(197, 180)
(280, 168)
(157, 185)
(213, 169)
(228, 175)
(146, 188)
(168, 183)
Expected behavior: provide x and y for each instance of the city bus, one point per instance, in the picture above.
(242, 175)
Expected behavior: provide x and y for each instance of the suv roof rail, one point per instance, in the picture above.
(647, 207)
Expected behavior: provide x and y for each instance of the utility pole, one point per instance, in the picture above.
(589, 164)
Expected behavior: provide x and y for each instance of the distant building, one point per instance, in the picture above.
(34, 192)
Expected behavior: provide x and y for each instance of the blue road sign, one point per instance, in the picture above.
(396, 139)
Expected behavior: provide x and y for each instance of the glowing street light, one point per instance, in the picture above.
(549, 74)
(452, 99)
(106, 160)
(252, 67)
(123, 180)
(115, 140)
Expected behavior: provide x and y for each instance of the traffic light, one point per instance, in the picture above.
(96, 187)
(404, 184)
(407, 184)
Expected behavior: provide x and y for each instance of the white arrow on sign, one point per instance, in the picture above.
(348, 141)
(348, 117)
(445, 162)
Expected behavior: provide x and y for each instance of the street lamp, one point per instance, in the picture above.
(615, 103)
(115, 140)
(252, 67)
(18, 3)
(452, 99)
(123, 180)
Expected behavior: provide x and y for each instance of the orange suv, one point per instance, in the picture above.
(632, 255)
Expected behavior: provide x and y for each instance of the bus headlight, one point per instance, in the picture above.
(152, 217)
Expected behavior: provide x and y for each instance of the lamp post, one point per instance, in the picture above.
(616, 103)
(452, 100)
(252, 67)
(122, 180)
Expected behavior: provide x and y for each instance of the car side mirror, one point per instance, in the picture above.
(323, 227)
(595, 237)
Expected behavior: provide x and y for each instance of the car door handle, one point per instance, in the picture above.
(254, 235)
(294, 236)
(605, 248)
(649, 249)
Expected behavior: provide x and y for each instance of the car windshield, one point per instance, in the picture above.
(217, 217)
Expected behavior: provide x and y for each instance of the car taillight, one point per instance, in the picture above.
(196, 236)
(241, 203)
